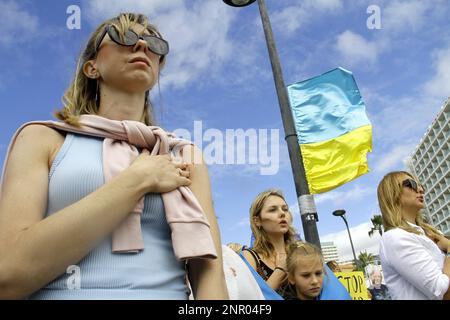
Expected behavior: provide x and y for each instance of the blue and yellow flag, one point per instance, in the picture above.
(333, 130)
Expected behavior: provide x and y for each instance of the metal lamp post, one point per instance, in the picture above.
(306, 201)
(341, 213)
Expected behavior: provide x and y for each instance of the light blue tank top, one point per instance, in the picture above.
(153, 273)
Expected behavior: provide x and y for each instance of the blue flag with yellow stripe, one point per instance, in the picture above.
(334, 132)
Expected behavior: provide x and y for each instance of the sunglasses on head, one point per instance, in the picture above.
(130, 38)
(411, 183)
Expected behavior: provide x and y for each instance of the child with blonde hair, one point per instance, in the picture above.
(305, 271)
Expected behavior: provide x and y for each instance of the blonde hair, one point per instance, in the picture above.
(334, 266)
(83, 93)
(236, 247)
(300, 249)
(389, 193)
(262, 242)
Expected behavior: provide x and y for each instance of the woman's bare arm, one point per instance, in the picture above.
(34, 250)
(206, 275)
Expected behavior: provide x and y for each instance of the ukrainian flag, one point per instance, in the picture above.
(333, 130)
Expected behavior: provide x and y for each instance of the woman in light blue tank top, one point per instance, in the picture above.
(61, 213)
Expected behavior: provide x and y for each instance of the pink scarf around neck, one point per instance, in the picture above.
(191, 236)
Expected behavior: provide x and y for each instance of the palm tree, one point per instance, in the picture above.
(364, 260)
(377, 222)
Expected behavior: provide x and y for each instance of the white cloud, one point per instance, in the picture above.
(102, 9)
(290, 19)
(360, 238)
(403, 119)
(197, 33)
(338, 198)
(18, 25)
(439, 85)
(398, 18)
(399, 122)
(21, 32)
(394, 157)
(324, 4)
(408, 16)
(355, 194)
(356, 49)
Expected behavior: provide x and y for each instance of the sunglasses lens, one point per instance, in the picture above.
(114, 35)
(414, 186)
(157, 45)
(410, 183)
(130, 38)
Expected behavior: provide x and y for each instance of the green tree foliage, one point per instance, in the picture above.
(377, 222)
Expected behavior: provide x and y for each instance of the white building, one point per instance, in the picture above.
(329, 251)
(430, 162)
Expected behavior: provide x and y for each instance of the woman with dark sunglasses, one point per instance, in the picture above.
(58, 208)
(414, 255)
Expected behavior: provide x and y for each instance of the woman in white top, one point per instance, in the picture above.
(414, 255)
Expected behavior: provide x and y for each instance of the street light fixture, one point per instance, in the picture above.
(341, 213)
(238, 3)
(307, 207)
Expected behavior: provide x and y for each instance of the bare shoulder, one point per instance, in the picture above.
(39, 131)
(247, 255)
(25, 180)
(38, 138)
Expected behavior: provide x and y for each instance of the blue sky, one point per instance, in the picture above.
(218, 72)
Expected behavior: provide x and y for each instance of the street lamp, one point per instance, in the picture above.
(308, 210)
(238, 3)
(341, 213)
